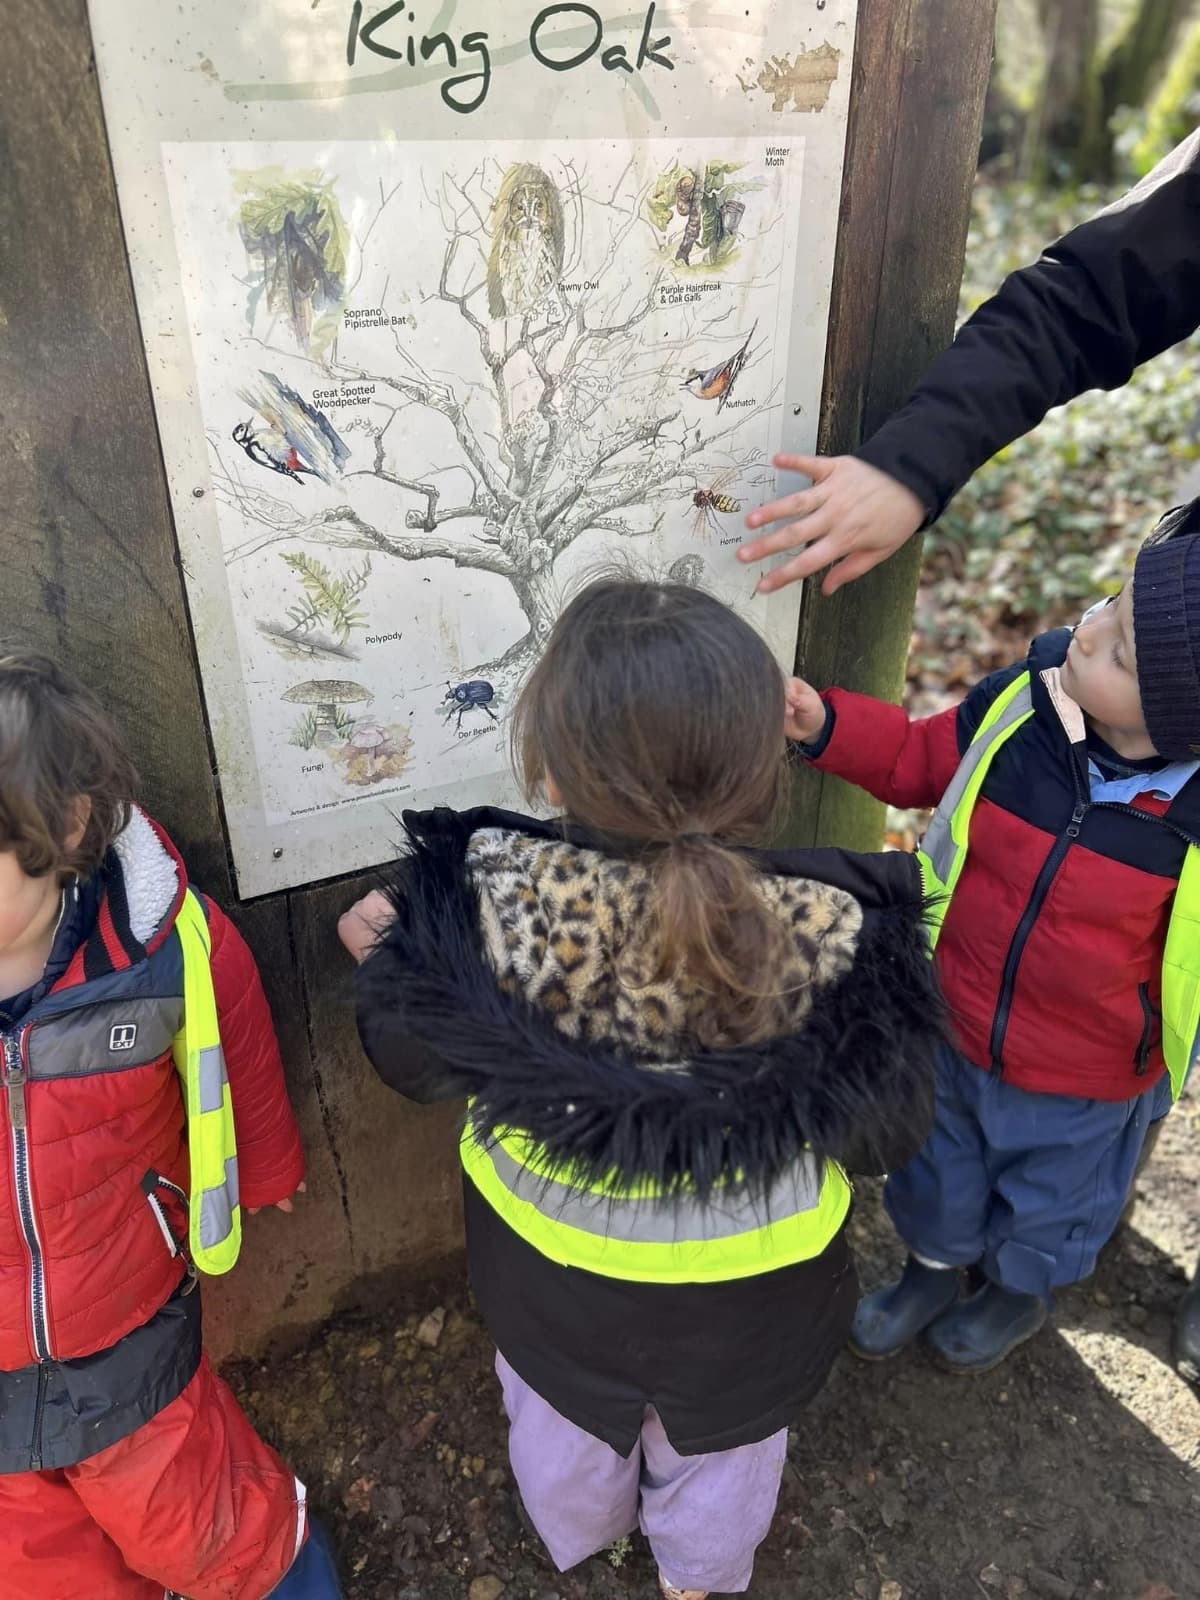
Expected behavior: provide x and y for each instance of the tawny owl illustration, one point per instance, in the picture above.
(525, 264)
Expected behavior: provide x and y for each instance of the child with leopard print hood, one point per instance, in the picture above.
(674, 1044)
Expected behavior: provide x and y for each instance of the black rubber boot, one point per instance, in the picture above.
(977, 1335)
(891, 1318)
(1185, 1341)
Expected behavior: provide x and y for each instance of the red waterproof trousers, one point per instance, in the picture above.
(194, 1501)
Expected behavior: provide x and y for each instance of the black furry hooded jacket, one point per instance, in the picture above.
(513, 974)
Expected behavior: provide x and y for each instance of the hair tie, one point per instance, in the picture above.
(693, 838)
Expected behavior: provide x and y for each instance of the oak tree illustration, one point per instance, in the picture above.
(573, 419)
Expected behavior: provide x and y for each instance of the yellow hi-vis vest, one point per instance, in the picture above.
(215, 1228)
(645, 1236)
(943, 855)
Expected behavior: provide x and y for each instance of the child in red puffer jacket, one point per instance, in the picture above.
(126, 1465)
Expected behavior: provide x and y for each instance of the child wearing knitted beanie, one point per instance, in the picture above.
(1065, 860)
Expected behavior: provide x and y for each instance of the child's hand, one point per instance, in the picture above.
(280, 1205)
(360, 927)
(806, 712)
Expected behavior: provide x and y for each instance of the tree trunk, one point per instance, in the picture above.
(538, 595)
(1067, 111)
(1070, 131)
(539, 598)
(1174, 108)
(1141, 53)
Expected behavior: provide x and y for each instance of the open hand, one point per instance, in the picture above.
(360, 928)
(806, 712)
(852, 518)
(280, 1205)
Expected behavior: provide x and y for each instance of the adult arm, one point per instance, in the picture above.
(1108, 296)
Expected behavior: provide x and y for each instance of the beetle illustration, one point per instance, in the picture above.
(475, 695)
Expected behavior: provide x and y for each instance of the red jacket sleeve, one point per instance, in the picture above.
(876, 746)
(270, 1156)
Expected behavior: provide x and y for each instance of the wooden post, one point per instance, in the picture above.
(91, 571)
(920, 75)
(92, 576)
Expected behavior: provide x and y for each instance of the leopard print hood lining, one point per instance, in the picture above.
(568, 927)
(515, 964)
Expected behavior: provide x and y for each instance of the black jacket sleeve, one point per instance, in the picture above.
(406, 1062)
(1108, 296)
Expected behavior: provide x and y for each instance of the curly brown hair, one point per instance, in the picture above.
(58, 746)
(659, 715)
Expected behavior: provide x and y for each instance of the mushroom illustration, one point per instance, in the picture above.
(369, 740)
(325, 695)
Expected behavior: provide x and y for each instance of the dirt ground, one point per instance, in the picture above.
(1073, 1471)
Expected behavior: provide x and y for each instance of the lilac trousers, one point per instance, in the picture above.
(704, 1516)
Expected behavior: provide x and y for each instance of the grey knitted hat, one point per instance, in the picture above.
(1166, 631)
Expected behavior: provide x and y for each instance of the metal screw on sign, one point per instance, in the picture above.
(197, 494)
(277, 852)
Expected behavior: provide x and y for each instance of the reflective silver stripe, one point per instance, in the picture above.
(939, 843)
(678, 1220)
(213, 1078)
(301, 1519)
(216, 1208)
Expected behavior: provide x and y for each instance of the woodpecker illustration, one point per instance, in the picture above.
(716, 383)
(287, 435)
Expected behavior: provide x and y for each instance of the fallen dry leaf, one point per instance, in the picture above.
(357, 1498)
(430, 1331)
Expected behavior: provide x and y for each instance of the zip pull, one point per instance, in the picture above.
(14, 1083)
(1077, 817)
(16, 1101)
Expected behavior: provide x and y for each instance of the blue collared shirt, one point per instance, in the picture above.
(1166, 783)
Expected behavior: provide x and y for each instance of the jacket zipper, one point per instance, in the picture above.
(151, 1183)
(14, 1087)
(1146, 1042)
(35, 1444)
(1037, 899)
(1033, 909)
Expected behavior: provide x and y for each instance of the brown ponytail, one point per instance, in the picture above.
(659, 715)
(715, 932)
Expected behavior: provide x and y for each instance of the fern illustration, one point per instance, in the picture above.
(305, 614)
(327, 598)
